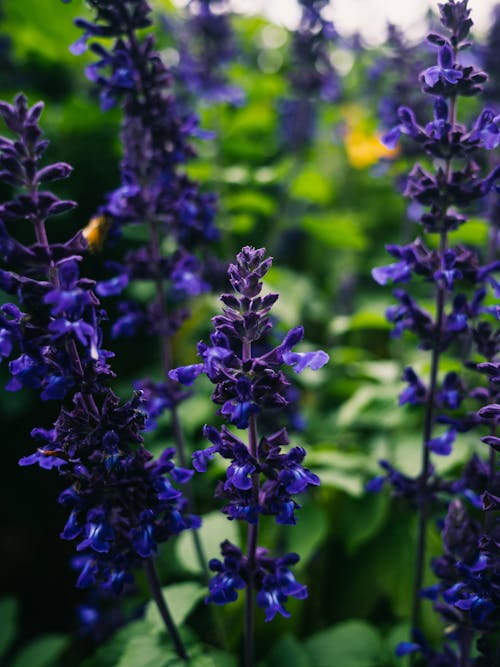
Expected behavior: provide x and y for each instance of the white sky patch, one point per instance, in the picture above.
(369, 17)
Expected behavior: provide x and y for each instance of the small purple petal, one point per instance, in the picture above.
(404, 648)
(186, 375)
(391, 138)
(301, 360)
(442, 445)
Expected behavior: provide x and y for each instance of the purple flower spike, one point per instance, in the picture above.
(260, 478)
(120, 501)
(441, 194)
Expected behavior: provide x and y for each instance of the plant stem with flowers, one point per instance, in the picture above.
(260, 479)
(454, 184)
(121, 502)
(154, 192)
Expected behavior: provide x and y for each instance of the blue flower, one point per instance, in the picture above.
(444, 71)
(276, 589)
(442, 444)
(299, 361)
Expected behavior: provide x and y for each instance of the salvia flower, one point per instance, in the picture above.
(458, 283)
(121, 502)
(206, 48)
(154, 190)
(313, 78)
(261, 478)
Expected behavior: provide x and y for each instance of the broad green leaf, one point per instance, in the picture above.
(365, 319)
(42, 652)
(241, 223)
(181, 600)
(288, 310)
(148, 651)
(372, 318)
(392, 559)
(255, 118)
(215, 528)
(474, 232)
(350, 644)
(350, 483)
(109, 654)
(9, 610)
(45, 29)
(213, 659)
(288, 652)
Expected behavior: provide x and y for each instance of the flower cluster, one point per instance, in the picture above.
(394, 73)
(312, 75)
(273, 578)
(261, 479)
(460, 283)
(458, 279)
(154, 190)
(246, 385)
(121, 502)
(206, 48)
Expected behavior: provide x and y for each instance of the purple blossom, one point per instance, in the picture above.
(261, 479)
(442, 444)
(444, 71)
(274, 582)
(120, 501)
(207, 46)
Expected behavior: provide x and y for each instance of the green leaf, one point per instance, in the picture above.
(43, 29)
(474, 232)
(312, 186)
(109, 654)
(42, 652)
(350, 644)
(215, 528)
(181, 600)
(392, 558)
(148, 651)
(309, 533)
(9, 611)
(288, 652)
(214, 659)
(289, 310)
(341, 470)
(251, 202)
(361, 520)
(368, 396)
(342, 230)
